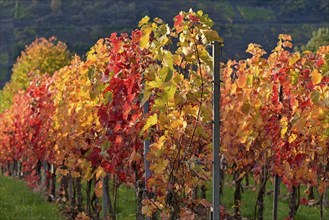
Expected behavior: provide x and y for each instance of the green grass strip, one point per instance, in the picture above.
(18, 202)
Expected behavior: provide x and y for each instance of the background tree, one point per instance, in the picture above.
(55, 6)
(319, 38)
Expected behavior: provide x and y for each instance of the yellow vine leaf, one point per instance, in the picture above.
(144, 40)
(152, 120)
(294, 58)
(212, 35)
(159, 167)
(250, 80)
(292, 137)
(100, 173)
(284, 126)
(168, 59)
(285, 37)
(143, 21)
(316, 77)
(319, 113)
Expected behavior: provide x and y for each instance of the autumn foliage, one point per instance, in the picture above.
(42, 56)
(282, 108)
(87, 121)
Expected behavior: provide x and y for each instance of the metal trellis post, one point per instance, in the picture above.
(216, 131)
(146, 148)
(146, 151)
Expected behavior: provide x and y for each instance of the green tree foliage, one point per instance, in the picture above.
(288, 7)
(319, 38)
(323, 5)
(17, 10)
(55, 6)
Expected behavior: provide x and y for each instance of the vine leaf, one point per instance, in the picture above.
(152, 120)
(316, 77)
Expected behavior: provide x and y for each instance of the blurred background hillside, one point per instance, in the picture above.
(80, 23)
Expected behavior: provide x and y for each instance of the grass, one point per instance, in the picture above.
(249, 197)
(126, 203)
(18, 202)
